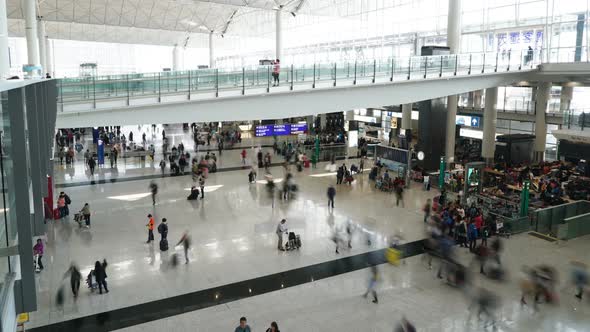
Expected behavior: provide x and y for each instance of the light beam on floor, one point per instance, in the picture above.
(130, 197)
(321, 175)
(208, 189)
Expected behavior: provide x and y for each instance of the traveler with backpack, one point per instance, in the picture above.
(86, 214)
(163, 230)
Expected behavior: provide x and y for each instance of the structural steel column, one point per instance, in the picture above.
(211, 51)
(541, 101)
(406, 116)
(565, 100)
(4, 63)
(41, 34)
(31, 32)
(490, 115)
(25, 294)
(454, 43)
(279, 34)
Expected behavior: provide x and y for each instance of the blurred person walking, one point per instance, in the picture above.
(185, 240)
(372, 283)
(154, 191)
(75, 277)
(331, 194)
(427, 208)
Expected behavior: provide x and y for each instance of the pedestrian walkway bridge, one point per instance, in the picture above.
(249, 93)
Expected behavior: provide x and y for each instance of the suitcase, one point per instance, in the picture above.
(56, 214)
(163, 245)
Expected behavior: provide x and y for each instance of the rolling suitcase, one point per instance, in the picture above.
(163, 245)
(56, 214)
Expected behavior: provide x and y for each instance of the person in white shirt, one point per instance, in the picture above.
(281, 228)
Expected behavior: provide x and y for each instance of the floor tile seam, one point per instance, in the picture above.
(121, 317)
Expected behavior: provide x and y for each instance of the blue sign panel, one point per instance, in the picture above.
(100, 152)
(475, 121)
(283, 129)
(264, 131)
(298, 128)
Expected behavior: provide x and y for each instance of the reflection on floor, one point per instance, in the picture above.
(410, 290)
(233, 231)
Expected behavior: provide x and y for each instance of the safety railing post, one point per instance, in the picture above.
(189, 85)
(292, 77)
(128, 93)
(409, 67)
(243, 81)
(159, 88)
(456, 64)
(425, 66)
(441, 66)
(216, 82)
(313, 84)
(94, 91)
(470, 59)
(509, 56)
(392, 69)
(374, 69)
(496, 68)
(267, 78)
(335, 74)
(347, 69)
(483, 66)
(354, 81)
(520, 63)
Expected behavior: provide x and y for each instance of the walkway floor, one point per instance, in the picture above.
(233, 232)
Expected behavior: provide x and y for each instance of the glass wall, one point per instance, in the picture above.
(7, 211)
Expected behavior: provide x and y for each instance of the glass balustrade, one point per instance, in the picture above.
(260, 79)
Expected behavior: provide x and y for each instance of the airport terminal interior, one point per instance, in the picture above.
(294, 165)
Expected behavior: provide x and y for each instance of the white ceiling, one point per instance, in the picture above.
(161, 22)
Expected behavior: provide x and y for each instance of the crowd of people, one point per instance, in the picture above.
(446, 222)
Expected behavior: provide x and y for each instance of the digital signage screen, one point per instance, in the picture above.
(282, 129)
(263, 131)
(298, 128)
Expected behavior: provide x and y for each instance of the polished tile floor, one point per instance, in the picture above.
(233, 232)
(410, 290)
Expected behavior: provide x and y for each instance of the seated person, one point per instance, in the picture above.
(194, 194)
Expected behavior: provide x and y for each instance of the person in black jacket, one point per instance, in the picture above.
(163, 229)
(331, 194)
(100, 273)
(75, 276)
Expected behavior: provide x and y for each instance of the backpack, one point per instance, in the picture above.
(67, 199)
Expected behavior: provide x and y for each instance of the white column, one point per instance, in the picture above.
(4, 64)
(49, 58)
(406, 116)
(454, 43)
(31, 32)
(541, 101)
(176, 58)
(41, 34)
(567, 93)
(490, 115)
(454, 26)
(323, 121)
(211, 51)
(279, 34)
